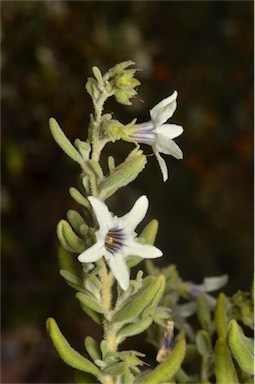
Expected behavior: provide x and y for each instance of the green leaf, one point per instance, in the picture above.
(66, 352)
(203, 343)
(203, 312)
(133, 329)
(76, 220)
(97, 317)
(66, 233)
(63, 141)
(83, 378)
(91, 303)
(149, 233)
(155, 300)
(116, 369)
(123, 175)
(241, 347)
(77, 196)
(224, 367)
(220, 315)
(166, 370)
(67, 262)
(70, 277)
(136, 303)
(92, 348)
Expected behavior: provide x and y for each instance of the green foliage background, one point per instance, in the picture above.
(202, 49)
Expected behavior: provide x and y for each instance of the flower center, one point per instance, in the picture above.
(114, 240)
(145, 133)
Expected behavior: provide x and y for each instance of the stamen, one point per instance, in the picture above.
(114, 240)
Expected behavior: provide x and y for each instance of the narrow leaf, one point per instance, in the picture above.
(91, 303)
(136, 303)
(66, 352)
(166, 370)
(63, 141)
(77, 196)
(92, 348)
(220, 315)
(134, 329)
(224, 367)
(241, 347)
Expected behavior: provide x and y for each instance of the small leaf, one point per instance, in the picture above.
(203, 312)
(66, 352)
(91, 303)
(76, 220)
(97, 317)
(77, 196)
(241, 347)
(63, 141)
(224, 367)
(65, 231)
(136, 303)
(124, 174)
(166, 370)
(83, 378)
(97, 74)
(203, 343)
(116, 369)
(220, 315)
(134, 329)
(92, 348)
(67, 262)
(150, 232)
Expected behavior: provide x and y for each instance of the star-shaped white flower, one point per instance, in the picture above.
(159, 135)
(116, 239)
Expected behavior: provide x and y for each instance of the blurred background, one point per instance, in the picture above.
(205, 210)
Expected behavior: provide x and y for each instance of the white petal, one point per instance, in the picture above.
(120, 270)
(130, 221)
(162, 164)
(93, 253)
(147, 251)
(168, 147)
(164, 110)
(170, 130)
(102, 212)
(214, 283)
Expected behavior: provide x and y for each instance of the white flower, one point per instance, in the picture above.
(116, 239)
(159, 135)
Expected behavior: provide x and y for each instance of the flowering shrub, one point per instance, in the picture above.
(106, 248)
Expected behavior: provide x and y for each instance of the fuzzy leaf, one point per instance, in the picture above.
(150, 232)
(77, 196)
(83, 378)
(241, 347)
(76, 220)
(134, 329)
(220, 315)
(224, 367)
(203, 343)
(166, 370)
(136, 303)
(203, 311)
(91, 303)
(116, 369)
(123, 174)
(92, 348)
(97, 317)
(67, 262)
(66, 352)
(65, 231)
(63, 141)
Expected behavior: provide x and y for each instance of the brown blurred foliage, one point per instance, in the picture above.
(202, 49)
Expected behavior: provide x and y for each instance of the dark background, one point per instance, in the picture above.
(202, 49)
